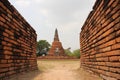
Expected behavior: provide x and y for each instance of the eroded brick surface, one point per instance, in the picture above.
(17, 42)
(100, 40)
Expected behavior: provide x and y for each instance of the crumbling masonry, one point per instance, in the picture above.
(100, 40)
(17, 42)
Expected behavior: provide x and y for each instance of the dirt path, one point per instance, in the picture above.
(57, 70)
(60, 70)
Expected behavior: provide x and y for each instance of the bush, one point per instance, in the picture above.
(75, 53)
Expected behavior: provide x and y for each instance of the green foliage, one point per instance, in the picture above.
(75, 53)
(68, 52)
(41, 45)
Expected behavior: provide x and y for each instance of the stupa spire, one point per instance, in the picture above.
(56, 37)
(56, 48)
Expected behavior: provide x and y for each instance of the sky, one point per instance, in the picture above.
(68, 16)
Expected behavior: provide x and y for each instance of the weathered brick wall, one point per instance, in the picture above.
(17, 42)
(56, 57)
(100, 40)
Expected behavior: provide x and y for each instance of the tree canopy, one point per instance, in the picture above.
(42, 46)
(75, 53)
(68, 52)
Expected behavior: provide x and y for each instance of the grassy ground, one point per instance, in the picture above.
(57, 70)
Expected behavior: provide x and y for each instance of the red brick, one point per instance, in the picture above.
(11, 72)
(113, 64)
(116, 46)
(7, 56)
(107, 32)
(10, 61)
(117, 39)
(2, 19)
(114, 58)
(101, 64)
(115, 70)
(104, 68)
(100, 49)
(1, 4)
(117, 26)
(106, 59)
(3, 61)
(9, 32)
(109, 43)
(3, 70)
(114, 75)
(5, 34)
(4, 65)
(107, 49)
(7, 48)
(17, 38)
(118, 33)
(112, 53)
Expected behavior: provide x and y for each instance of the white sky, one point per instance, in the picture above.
(67, 16)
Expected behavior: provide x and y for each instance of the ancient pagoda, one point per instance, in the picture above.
(56, 48)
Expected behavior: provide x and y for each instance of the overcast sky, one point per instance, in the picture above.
(67, 16)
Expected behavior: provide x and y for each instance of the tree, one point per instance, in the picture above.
(42, 47)
(76, 53)
(68, 52)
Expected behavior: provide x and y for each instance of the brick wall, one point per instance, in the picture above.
(100, 40)
(57, 57)
(17, 42)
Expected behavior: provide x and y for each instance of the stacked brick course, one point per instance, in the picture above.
(100, 40)
(17, 42)
(57, 57)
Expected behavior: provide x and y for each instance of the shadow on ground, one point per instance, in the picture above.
(30, 75)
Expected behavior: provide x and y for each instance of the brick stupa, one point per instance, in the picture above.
(56, 48)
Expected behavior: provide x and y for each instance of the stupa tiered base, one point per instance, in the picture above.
(56, 48)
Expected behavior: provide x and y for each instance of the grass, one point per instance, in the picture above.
(62, 69)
